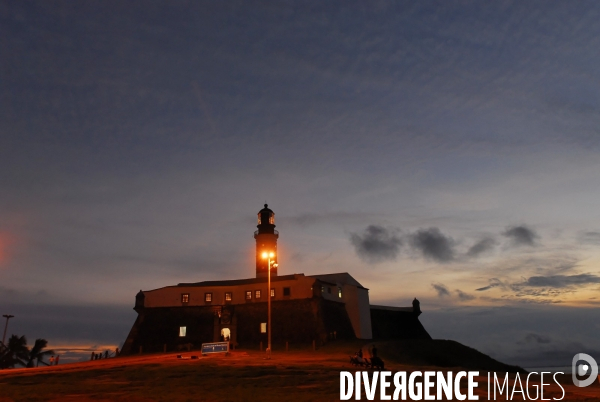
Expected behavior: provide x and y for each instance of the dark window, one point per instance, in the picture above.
(248, 295)
(286, 291)
(257, 294)
(228, 296)
(207, 297)
(328, 289)
(185, 297)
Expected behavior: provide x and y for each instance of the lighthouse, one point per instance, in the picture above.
(266, 242)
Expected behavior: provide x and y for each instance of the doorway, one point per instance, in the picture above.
(225, 335)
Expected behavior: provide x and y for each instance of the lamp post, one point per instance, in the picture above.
(8, 317)
(274, 264)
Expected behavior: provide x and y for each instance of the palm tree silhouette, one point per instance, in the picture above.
(37, 353)
(16, 352)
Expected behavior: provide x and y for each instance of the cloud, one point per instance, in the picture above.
(535, 338)
(464, 296)
(521, 235)
(494, 283)
(590, 238)
(297, 257)
(377, 244)
(433, 244)
(441, 290)
(482, 246)
(562, 281)
(542, 289)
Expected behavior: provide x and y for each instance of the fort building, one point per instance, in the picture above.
(305, 308)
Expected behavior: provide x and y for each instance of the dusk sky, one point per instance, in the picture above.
(448, 151)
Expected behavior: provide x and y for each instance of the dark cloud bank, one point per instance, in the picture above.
(550, 281)
(378, 244)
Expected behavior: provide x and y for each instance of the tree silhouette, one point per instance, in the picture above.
(15, 353)
(37, 353)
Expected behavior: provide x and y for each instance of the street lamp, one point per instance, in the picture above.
(270, 256)
(8, 317)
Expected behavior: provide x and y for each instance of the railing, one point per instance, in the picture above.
(274, 232)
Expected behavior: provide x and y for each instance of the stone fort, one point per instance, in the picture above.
(305, 308)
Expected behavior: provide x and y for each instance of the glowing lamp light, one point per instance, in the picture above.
(270, 255)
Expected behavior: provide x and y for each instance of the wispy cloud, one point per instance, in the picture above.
(464, 296)
(542, 289)
(482, 246)
(441, 289)
(590, 238)
(494, 283)
(561, 281)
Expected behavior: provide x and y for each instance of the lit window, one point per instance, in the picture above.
(249, 295)
(257, 294)
(185, 297)
(182, 331)
(263, 327)
(286, 291)
(207, 297)
(272, 219)
(272, 292)
(228, 296)
(339, 292)
(322, 289)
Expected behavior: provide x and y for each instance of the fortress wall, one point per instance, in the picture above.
(393, 324)
(295, 321)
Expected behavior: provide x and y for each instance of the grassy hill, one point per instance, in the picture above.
(440, 353)
(300, 374)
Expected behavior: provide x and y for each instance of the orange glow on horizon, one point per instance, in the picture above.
(6, 240)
